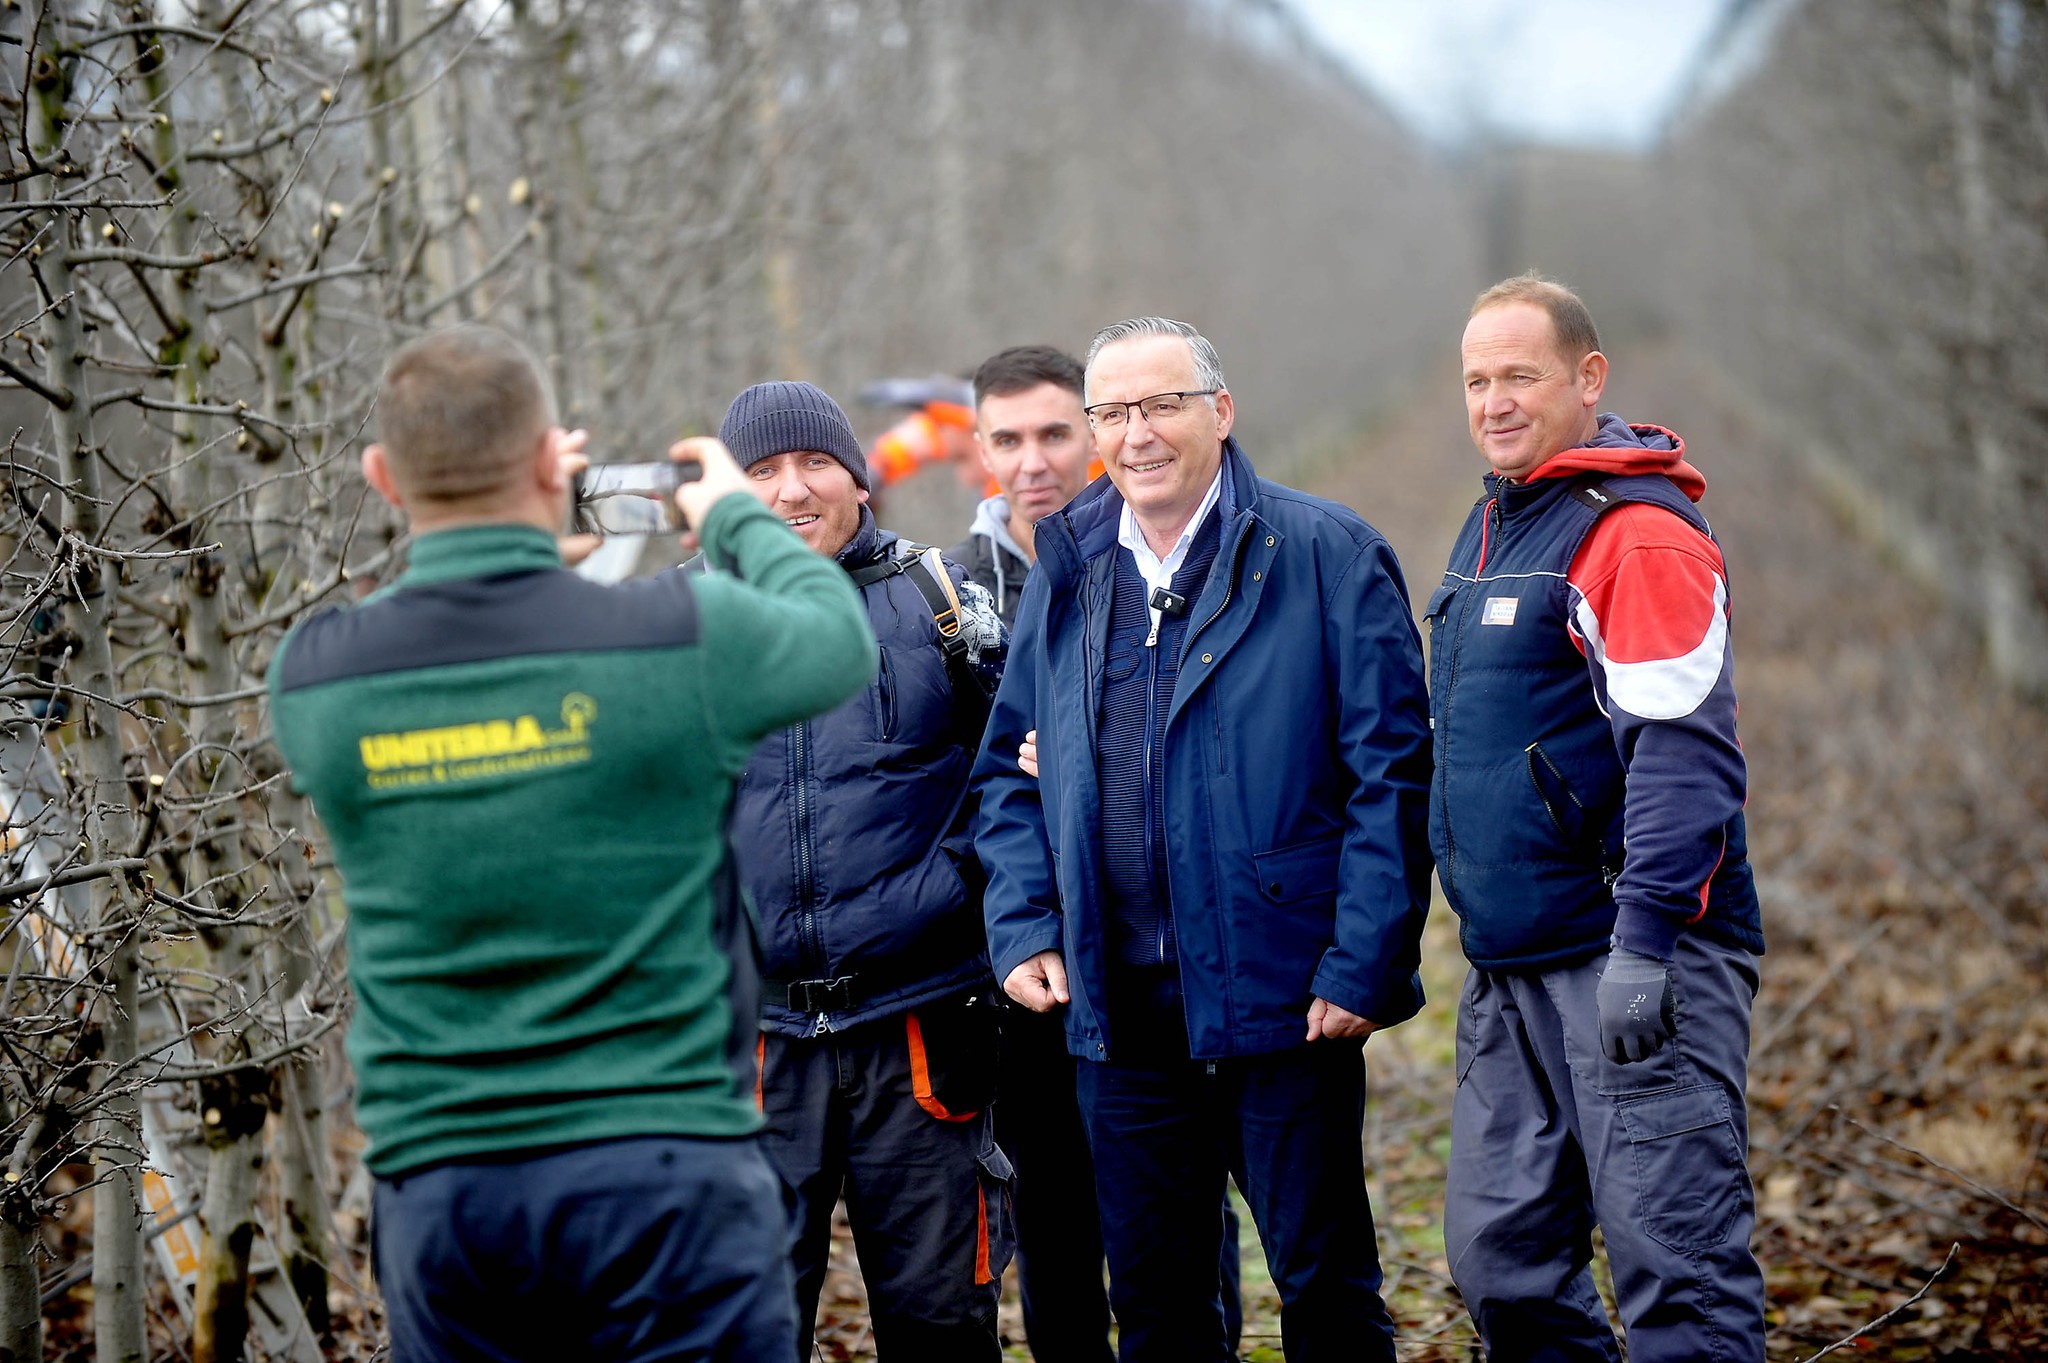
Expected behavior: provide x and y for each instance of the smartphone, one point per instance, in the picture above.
(632, 499)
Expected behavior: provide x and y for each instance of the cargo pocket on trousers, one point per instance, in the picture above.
(1691, 1178)
(955, 1048)
(996, 1222)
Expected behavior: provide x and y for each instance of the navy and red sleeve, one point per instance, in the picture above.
(1651, 614)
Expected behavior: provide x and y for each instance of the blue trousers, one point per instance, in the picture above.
(630, 1251)
(1549, 1137)
(1059, 1233)
(1166, 1131)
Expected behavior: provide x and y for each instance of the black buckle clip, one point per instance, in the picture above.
(821, 996)
(1168, 603)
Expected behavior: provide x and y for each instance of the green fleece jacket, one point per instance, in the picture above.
(525, 778)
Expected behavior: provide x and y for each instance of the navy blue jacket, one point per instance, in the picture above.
(1548, 749)
(1296, 774)
(852, 831)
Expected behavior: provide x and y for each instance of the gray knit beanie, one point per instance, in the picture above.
(781, 417)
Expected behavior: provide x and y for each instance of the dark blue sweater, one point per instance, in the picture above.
(1130, 752)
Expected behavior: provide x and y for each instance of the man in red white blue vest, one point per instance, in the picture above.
(1586, 818)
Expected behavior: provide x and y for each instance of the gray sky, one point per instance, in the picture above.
(1587, 72)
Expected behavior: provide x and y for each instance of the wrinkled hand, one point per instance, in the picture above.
(1027, 754)
(1327, 1021)
(1638, 1012)
(1040, 984)
(722, 477)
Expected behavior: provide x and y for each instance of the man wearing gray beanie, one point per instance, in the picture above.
(876, 1061)
(774, 418)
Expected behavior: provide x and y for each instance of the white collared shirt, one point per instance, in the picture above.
(1158, 572)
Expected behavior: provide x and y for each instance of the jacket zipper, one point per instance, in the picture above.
(806, 890)
(1229, 587)
(1536, 754)
(1151, 792)
(1608, 873)
(1448, 872)
(1186, 642)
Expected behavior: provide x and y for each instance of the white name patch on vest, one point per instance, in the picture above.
(1500, 610)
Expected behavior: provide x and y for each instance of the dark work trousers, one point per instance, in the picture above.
(1550, 1137)
(1165, 1131)
(929, 1198)
(1059, 1234)
(630, 1251)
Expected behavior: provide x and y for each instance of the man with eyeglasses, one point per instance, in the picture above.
(1035, 441)
(1220, 869)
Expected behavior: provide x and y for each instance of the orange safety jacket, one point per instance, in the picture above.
(919, 439)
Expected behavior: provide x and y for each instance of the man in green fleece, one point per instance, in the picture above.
(525, 778)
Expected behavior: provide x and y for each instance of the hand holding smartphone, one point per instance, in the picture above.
(632, 499)
(716, 476)
(651, 497)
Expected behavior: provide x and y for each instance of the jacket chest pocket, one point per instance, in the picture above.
(1437, 616)
(1513, 621)
(913, 698)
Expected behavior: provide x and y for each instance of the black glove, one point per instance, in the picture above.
(1638, 1013)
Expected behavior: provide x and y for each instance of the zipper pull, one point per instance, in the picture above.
(1152, 639)
(822, 1025)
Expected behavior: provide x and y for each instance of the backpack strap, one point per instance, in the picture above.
(928, 571)
(869, 574)
(922, 565)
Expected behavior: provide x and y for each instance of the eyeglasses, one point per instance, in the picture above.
(1108, 416)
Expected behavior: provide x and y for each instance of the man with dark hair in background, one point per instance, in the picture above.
(1587, 822)
(525, 778)
(877, 1057)
(1035, 442)
(1220, 871)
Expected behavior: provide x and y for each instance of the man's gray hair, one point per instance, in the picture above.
(1208, 368)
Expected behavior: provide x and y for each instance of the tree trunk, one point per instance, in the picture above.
(308, 1227)
(232, 1111)
(2015, 627)
(383, 167)
(778, 267)
(119, 1308)
(21, 1313)
(951, 177)
(301, 1132)
(427, 186)
(227, 1214)
(543, 55)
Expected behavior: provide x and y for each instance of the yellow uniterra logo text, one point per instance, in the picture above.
(469, 752)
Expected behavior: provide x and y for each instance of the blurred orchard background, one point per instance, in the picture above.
(1816, 237)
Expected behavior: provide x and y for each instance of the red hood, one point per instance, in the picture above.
(1618, 458)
